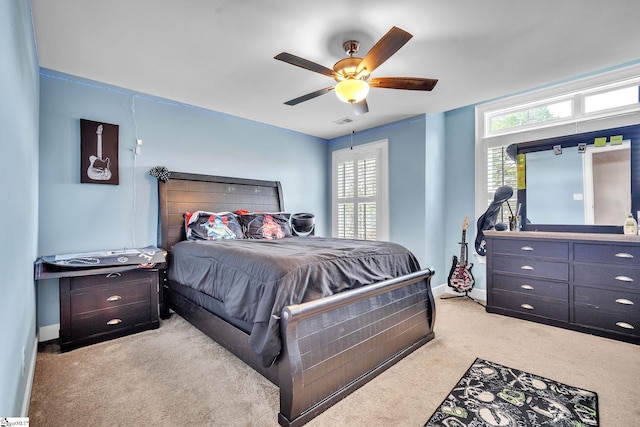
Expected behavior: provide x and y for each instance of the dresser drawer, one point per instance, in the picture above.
(609, 254)
(88, 283)
(588, 316)
(607, 275)
(531, 267)
(532, 287)
(110, 297)
(109, 320)
(551, 309)
(625, 303)
(531, 248)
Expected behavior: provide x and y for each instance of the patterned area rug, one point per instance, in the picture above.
(490, 394)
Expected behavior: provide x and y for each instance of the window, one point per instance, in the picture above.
(524, 116)
(501, 171)
(359, 205)
(612, 98)
(583, 104)
(603, 101)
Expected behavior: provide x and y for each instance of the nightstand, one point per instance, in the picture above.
(102, 303)
(105, 306)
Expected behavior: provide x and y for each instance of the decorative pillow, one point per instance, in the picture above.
(266, 225)
(202, 225)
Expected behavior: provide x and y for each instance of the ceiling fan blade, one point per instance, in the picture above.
(407, 83)
(304, 63)
(389, 44)
(310, 96)
(359, 108)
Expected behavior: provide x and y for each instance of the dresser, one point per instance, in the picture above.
(584, 282)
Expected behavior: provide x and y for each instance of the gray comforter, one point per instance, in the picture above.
(256, 279)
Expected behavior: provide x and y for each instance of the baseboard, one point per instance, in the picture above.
(478, 294)
(26, 400)
(49, 332)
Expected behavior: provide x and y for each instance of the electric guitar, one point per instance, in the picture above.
(99, 168)
(460, 277)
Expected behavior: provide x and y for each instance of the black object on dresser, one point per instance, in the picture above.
(98, 304)
(584, 282)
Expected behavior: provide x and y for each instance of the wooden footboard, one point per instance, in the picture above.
(335, 345)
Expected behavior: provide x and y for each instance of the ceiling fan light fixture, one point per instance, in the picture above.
(352, 90)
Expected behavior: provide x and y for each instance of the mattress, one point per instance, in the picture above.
(256, 279)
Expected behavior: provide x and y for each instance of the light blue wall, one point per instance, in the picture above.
(83, 217)
(19, 194)
(459, 145)
(434, 196)
(416, 175)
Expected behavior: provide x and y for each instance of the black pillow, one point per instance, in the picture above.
(202, 225)
(266, 225)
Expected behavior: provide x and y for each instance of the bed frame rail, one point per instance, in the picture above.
(335, 345)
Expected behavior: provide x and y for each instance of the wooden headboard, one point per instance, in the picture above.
(188, 192)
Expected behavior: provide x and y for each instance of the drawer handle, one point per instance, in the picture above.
(624, 325)
(526, 248)
(624, 301)
(623, 255)
(527, 306)
(526, 267)
(624, 278)
(527, 287)
(114, 322)
(110, 275)
(114, 298)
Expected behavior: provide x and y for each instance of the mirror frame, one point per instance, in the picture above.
(631, 133)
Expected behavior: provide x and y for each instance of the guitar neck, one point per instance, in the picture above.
(99, 150)
(463, 248)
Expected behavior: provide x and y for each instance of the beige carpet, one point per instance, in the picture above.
(176, 376)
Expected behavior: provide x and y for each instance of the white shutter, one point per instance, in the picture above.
(501, 171)
(359, 184)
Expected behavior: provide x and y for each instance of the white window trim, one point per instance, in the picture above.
(618, 117)
(381, 148)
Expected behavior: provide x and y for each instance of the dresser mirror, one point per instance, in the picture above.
(586, 182)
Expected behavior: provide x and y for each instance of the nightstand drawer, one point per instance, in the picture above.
(109, 320)
(625, 303)
(607, 275)
(551, 309)
(608, 254)
(531, 267)
(532, 287)
(89, 283)
(531, 248)
(113, 296)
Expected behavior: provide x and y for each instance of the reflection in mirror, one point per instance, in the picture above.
(592, 187)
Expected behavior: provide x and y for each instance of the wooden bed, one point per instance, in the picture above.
(331, 346)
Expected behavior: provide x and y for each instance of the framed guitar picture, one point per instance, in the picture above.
(98, 152)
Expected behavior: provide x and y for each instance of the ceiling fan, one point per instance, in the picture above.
(353, 74)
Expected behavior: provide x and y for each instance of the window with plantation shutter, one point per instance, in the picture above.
(501, 171)
(359, 192)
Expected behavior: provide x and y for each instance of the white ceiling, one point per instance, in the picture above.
(219, 54)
